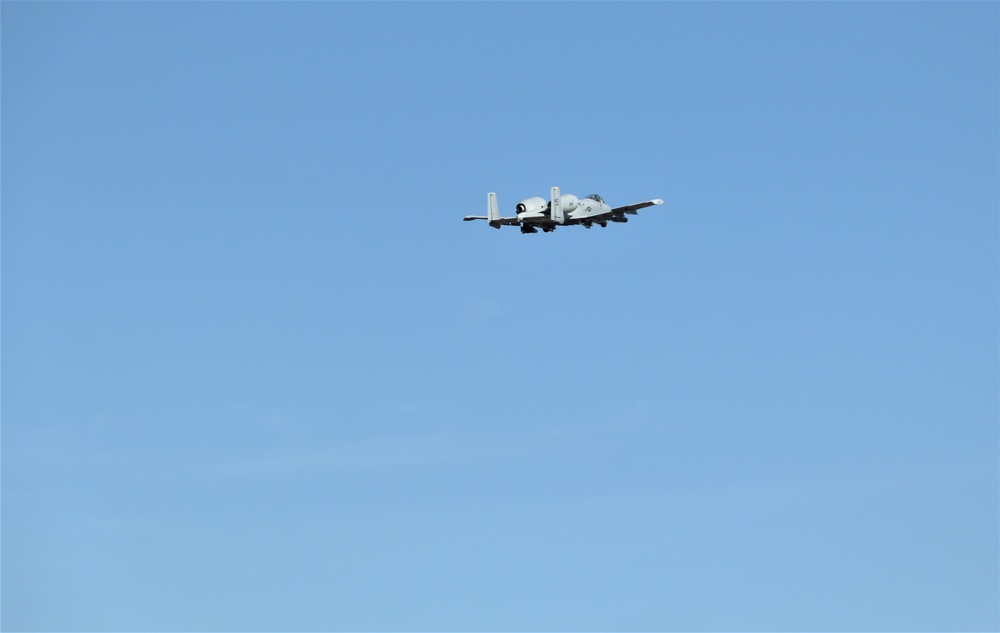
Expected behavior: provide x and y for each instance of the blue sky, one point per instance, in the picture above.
(259, 375)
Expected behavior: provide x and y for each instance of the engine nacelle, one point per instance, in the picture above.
(569, 202)
(531, 206)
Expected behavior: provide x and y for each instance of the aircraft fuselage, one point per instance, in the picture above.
(537, 212)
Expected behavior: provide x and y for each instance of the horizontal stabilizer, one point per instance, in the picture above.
(493, 214)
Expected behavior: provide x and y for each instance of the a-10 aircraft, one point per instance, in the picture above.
(559, 210)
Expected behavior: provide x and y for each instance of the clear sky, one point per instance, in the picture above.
(259, 375)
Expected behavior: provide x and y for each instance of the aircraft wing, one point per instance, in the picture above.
(631, 209)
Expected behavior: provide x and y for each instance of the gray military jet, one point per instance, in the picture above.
(559, 210)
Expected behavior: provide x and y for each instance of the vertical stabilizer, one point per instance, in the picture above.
(492, 210)
(555, 209)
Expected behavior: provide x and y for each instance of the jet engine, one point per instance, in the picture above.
(531, 205)
(569, 202)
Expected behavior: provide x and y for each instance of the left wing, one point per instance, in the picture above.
(617, 214)
(632, 209)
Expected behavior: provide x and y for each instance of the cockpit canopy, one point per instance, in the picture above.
(596, 197)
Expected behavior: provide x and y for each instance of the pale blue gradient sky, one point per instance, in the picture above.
(258, 375)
